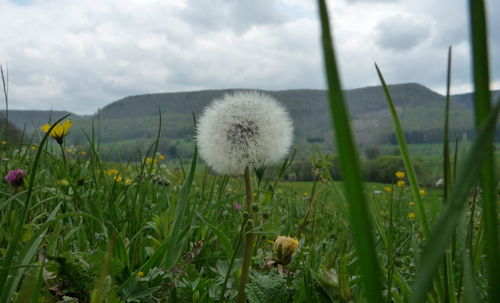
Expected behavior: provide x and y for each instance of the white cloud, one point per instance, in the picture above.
(81, 55)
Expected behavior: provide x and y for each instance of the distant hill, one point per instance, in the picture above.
(132, 122)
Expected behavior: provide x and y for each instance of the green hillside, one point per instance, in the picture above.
(132, 122)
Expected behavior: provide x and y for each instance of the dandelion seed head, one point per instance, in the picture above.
(245, 129)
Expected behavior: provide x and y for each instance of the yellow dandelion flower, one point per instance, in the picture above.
(400, 174)
(421, 192)
(305, 194)
(112, 172)
(401, 183)
(283, 249)
(59, 131)
(411, 216)
(4, 142)
(161, 157)
(69, 150)
(149, 160)
(118, 179)
(388, 189)
(128, 181)
(63, 183)
(140, 274)
(411, 204)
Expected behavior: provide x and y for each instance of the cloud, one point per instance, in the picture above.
(81, 55)
(401, 33)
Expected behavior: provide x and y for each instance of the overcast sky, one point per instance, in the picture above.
(79, 55)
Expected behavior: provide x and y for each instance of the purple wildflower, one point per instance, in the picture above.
(15, 177)
(237, 206)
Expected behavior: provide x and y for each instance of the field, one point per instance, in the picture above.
(95, 230)
(74, 228)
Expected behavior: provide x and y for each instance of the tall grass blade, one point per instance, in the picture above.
(405, 153)
(482, 107)
(350, 169)
(443, 229)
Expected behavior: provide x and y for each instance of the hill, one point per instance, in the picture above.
(132, 122)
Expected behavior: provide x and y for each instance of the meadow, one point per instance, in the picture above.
(74, 228)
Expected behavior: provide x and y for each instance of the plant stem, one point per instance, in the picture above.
(247, 255)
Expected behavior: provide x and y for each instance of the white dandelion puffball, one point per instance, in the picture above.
(245, 129)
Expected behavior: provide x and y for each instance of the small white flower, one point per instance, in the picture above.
(246, 129)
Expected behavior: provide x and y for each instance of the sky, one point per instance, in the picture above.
(80, 55)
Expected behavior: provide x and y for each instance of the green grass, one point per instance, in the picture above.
(77, 231)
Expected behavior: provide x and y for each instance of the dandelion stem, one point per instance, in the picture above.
(247, 255)
(63, 154)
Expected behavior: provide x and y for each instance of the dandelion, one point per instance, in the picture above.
(239, 132)
(161, 157)
(140, 274)
(401, 183)
(411, 216)
(246, 129)
(283, 249)
(59, 131)
(112, 172)
(15, 177)
(4, 142)
(118, 179)
(388, 189)
(400, 174)
(128, 181)
(149, 160)
(421, 192)
(63, 183)
(305, 194)
(69, 150)
(411, 204)
(33, 147)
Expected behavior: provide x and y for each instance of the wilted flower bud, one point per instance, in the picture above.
(283, 249)
(15, 177)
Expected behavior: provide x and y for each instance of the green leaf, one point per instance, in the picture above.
(482, 108)
(266, 288)
(350, 169)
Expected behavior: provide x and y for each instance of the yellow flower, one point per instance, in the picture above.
(118, 179)
(401, 183)
(63, 182)
(411, 204)
(83, 153)
(150, 160)
(112, 172)
(283, 249)
(411, 216)
(421, 192)
(400, 174)
(161, 157)
(33, 147)
(69, 150)
(388, 189)
(128, 181)
(140, 274)
(4, 142)
(305, 194)
(59, 131)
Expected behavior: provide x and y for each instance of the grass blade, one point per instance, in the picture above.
(482, 107)
(442, 232)
(405, 154)
(350, 169)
